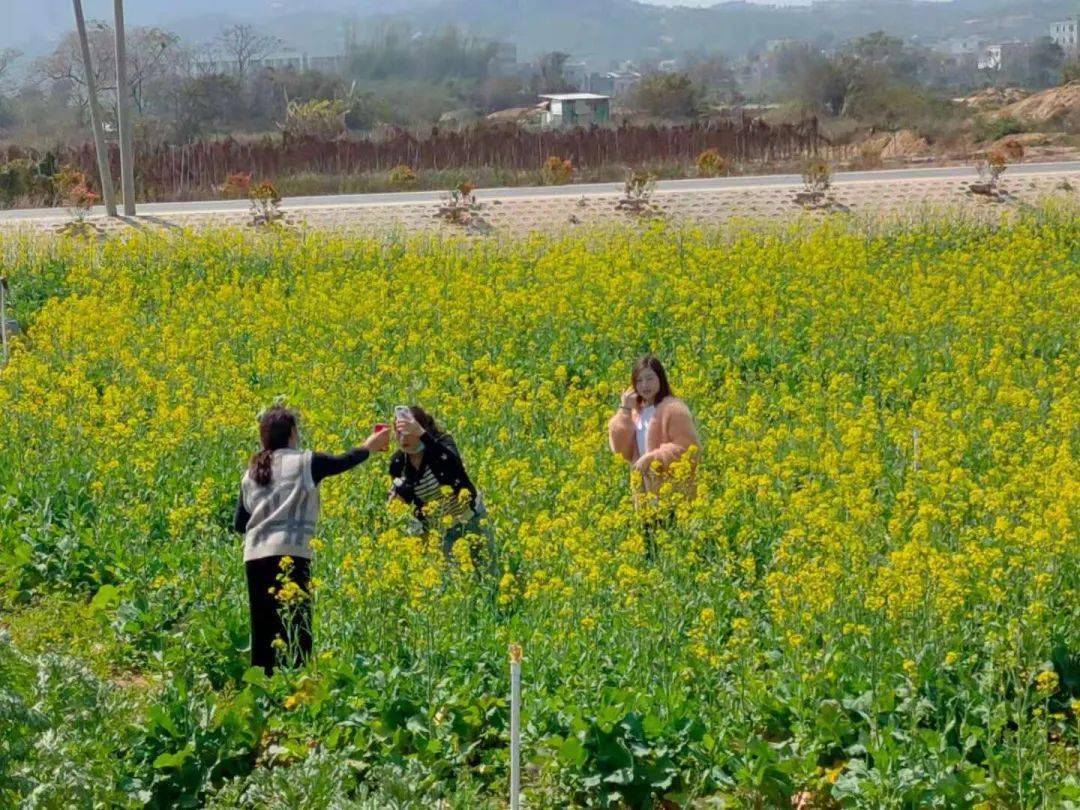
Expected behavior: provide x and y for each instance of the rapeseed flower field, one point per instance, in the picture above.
(873, 601)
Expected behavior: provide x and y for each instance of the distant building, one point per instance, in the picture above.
(566, 110)
(668, 65)
(330, 63)
(1004, 56)
(281, 60)
(503, 61)
(1067, 34)
(960, 53)
(613, 83)
(962, 46)
(773, 46)
(576, 72)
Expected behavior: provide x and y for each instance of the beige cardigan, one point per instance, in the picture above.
(671, 433)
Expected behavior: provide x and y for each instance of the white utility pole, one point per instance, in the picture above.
(108, 195)
(123, 112)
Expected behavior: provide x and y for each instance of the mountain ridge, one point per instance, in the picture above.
(583, 28)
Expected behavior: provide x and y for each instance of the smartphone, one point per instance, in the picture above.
(381, 426)
(402, 412)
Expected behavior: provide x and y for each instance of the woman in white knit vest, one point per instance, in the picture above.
(277, 512)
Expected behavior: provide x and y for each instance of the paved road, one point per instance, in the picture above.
(575, 190)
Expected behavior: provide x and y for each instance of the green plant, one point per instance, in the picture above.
(816, 175)
(638, 188)
(711, 163)
(992, 166)
(617, 755)
(321, 119)
(402, 175)
(556, 171)
(195, 740)
(25, 180)
(995, 127)
(265, 203)
(460, 205)
(237, 185)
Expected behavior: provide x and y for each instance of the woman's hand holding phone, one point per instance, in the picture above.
(379, 440)
(408, 427)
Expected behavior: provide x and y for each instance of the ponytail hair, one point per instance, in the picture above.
(276, 427)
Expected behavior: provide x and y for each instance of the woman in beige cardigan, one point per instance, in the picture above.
(653, 428)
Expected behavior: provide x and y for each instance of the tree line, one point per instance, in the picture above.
(180, 92)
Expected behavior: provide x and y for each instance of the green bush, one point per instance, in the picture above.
(994, 128)
(26, 182)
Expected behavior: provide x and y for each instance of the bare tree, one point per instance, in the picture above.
(65, 64)
(153, 56)
(551, 78)
(243, 45)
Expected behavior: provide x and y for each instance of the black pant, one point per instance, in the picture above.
(271, 620)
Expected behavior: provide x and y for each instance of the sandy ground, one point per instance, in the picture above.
(884, 200)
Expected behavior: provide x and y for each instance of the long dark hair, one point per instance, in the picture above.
(651, 362)
(427, 422)
(276, 428)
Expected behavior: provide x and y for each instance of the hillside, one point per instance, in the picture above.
(582, 28)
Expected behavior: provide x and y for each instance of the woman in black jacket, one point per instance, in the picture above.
(429, 475)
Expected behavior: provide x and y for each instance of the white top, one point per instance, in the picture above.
(642, 422)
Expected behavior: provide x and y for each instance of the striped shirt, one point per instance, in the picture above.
(438, 503)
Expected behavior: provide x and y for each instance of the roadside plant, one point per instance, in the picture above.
(991, 167)
(638, 189)
(236, 186)
(80, 199)
(402, 175)
(817, 175)
(711, 163)
(265, 204)
(460, 206)
(73, 190)
(557, 171)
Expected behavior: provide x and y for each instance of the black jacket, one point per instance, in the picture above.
(442, 457)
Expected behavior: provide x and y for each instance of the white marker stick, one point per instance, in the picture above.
(515, 726)
(3, 316)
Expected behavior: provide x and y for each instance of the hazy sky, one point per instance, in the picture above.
(713, 2)
(32, 18)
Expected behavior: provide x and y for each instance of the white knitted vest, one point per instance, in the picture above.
(283, 513)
